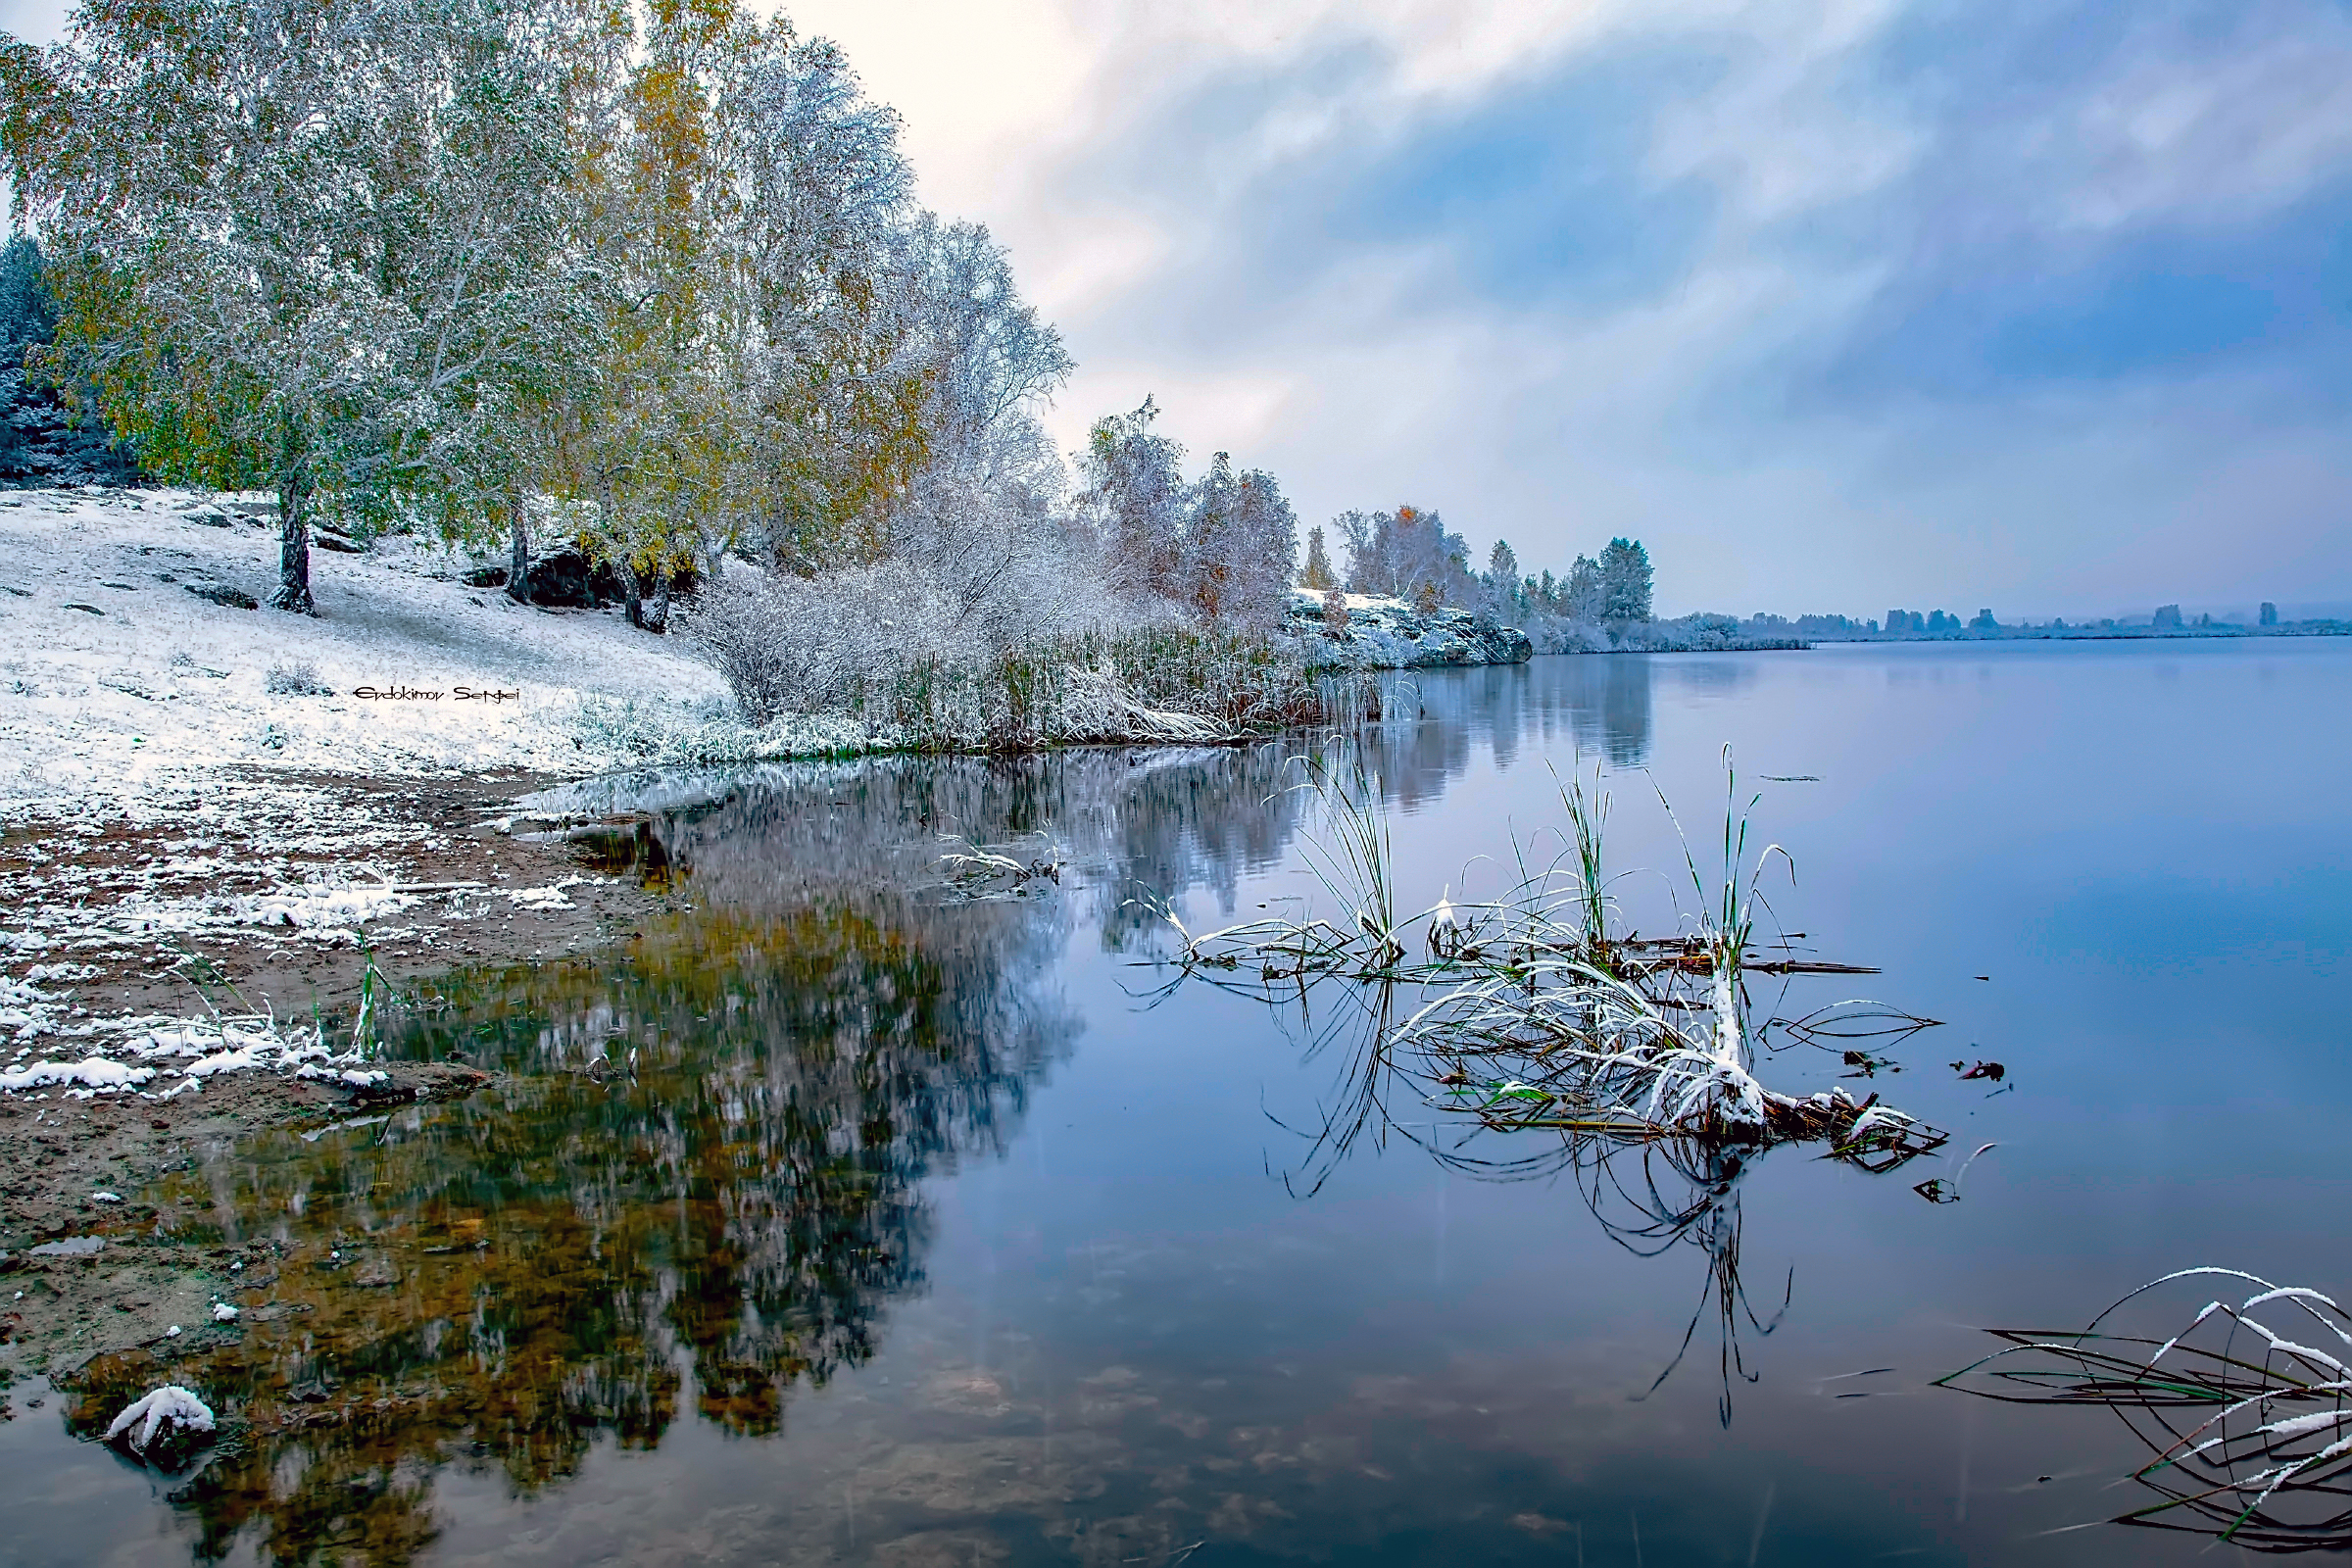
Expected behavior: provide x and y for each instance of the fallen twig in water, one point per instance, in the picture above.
(976, 873)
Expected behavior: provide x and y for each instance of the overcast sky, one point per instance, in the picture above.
(1841, 305)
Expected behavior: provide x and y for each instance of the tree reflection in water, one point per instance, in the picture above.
(702, 1181)
(700, 1177)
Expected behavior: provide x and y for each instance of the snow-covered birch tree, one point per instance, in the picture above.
(980, 512)
(314, 246)
(1136, 495)
(1409, 554)
(1241, 546)
(654, 443)
(842, 389)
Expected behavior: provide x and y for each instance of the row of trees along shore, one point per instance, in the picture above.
(654, 276)
(1409, 554)
(651, 277)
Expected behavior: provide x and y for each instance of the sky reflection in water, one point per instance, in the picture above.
(923, 1231)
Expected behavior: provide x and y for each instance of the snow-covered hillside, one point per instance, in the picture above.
(117, 677)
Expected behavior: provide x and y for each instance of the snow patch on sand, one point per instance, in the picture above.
(139, 1051)
(97, 1073)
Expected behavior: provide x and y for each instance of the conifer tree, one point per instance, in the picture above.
(1317, 574)
(1501, 583)
(1625, 583)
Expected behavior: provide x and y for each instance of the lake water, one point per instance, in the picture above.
(933, 1231)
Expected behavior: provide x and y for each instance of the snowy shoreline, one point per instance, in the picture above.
(179, 774)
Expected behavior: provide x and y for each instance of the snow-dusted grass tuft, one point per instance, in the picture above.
(652, 731)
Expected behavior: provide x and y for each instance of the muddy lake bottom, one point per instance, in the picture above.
(842, 1217)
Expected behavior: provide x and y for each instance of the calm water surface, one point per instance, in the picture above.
(931, 1232)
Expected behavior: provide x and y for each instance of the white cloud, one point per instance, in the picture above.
(1681, 416)
(2213, 136)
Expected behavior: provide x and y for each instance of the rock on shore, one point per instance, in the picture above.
(1390, 634)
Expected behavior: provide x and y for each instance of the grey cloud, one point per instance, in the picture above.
(2100, 272)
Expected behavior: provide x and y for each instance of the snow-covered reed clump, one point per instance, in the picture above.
(1528, 1011)
(163, 1426)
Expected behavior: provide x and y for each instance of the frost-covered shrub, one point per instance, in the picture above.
(991, 542)
(296, 678)
(993, 626)
(1700, 633)
(705, 734)
(879, 648)
(1563, 634)
(810, 645)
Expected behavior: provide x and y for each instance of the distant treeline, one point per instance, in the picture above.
(1602, 602)
(1937, 625)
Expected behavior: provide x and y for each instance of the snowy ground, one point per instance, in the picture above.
(205, 884)
(117, 681)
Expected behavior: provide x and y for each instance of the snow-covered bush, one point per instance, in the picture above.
(296, 678)
(1700, 633)
(885, 650)
(810, 645)
(1159, 683)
